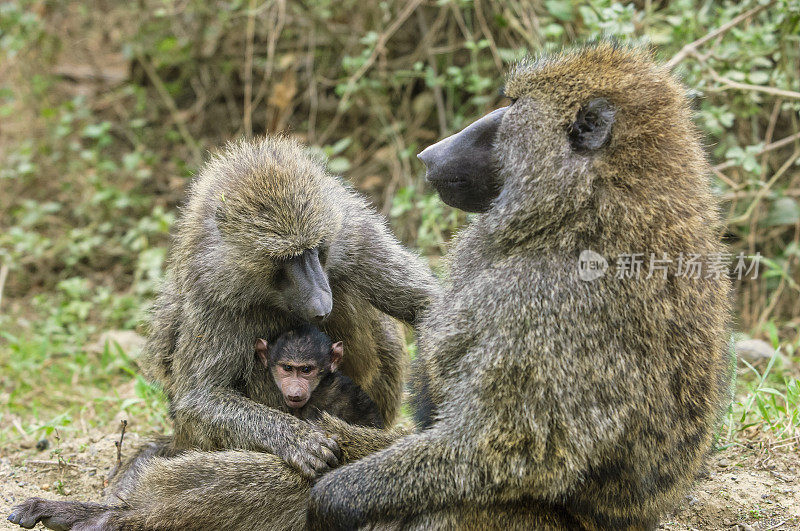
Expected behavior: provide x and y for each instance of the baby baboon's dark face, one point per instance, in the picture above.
(298, 360)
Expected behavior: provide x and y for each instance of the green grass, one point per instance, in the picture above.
(768, 402)
(53, 379)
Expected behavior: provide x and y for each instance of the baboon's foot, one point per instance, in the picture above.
(58, 515)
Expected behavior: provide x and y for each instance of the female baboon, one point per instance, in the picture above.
(268, 239)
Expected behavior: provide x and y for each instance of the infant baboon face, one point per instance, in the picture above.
(298, 360)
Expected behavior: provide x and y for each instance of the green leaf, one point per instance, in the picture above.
(339, 146)
(784, 211)
(129, 402)
(758, 77)
(560, 9)
(338, 165)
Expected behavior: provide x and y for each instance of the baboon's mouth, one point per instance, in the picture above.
(447, 184)
(445, 180)
(295, 404)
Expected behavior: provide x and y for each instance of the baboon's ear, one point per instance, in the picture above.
(337, 352)
(262, 349)
(591, 129)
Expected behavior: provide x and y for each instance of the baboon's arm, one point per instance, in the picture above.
(357, 442)
(222, 418)
(419, 474)
(393, 279)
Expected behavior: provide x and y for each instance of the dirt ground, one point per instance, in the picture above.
(745, 488)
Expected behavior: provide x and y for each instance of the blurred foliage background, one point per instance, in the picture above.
(107, 109)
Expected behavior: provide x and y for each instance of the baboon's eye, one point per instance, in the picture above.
(323, 253)
(281, 280)
(307, 369)
(288, 368)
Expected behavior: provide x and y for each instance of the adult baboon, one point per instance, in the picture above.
(268, 239)
(554, 402)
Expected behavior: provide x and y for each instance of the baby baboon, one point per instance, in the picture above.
(554, 401)
(304, 364)
(267, 240)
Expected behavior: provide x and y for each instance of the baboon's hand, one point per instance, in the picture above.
(310, 452)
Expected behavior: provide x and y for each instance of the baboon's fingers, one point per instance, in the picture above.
(331, 444)
(320, 466)
(302, 467)
(21, 519)
(330, 457)
(320, 445)
(26, 514)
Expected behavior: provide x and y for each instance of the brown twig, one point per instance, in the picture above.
(180, 122)
(60, 463)
(250, 30)
(745, 194)
(269, 67)
(380, 46)
(438, 97)
(3, 275)
(764, 189)
(313, 98)
(769, 147)
(487, 33)
(727, 180)
(729, 83)
(118, 444)
(773, 120)
(775, 296)
(691, 48)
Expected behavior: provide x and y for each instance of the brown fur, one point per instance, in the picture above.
(559, 403)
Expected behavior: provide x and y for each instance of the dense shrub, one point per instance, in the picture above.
(107, 108)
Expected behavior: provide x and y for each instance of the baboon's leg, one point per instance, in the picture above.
(195, 490)
(124, 477)
(202, 490)
(511, 516)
